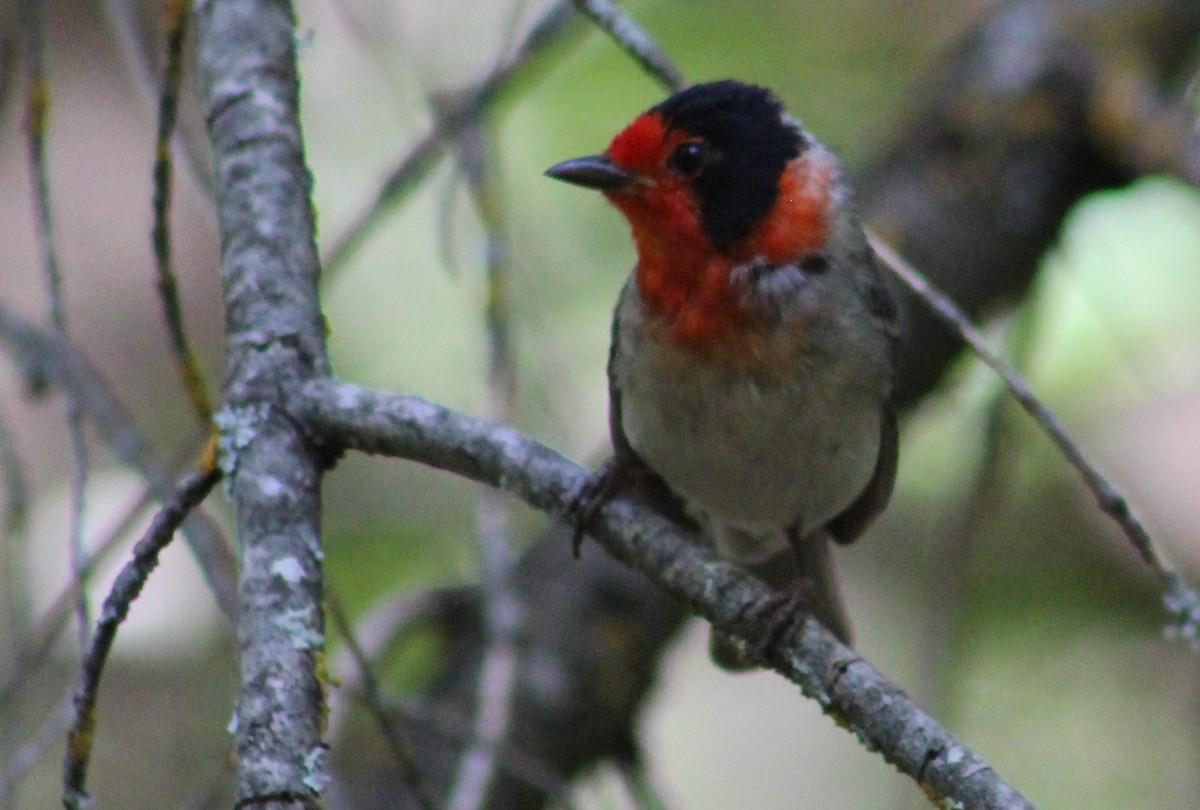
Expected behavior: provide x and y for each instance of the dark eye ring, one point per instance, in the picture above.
(689, 158)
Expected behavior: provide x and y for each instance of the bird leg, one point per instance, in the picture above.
(597, 490)
(621, 473)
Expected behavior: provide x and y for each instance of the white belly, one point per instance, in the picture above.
(749, 453)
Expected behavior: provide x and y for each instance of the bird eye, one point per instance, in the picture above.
(688, 158)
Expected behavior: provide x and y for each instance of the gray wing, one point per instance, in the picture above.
(855, 518)
(621, 446)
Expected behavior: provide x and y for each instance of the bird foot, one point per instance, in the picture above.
(622, 474)
(781, 611)
(597, 490)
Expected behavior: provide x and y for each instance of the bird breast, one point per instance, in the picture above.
(790, 438)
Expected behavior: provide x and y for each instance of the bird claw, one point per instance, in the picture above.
(586, 504)
(781, 611)
(629, 474)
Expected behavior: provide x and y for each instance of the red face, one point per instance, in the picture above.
(682, 271)
(666, 208)
(713, 178)
(662, 207)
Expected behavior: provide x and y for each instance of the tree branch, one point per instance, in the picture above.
(1110, 500)
(633, 39)
(275, 339)
(845, 685)
(191, 376)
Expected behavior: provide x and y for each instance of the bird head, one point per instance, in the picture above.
(717, 176)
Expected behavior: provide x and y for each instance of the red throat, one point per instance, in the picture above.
(682, 276)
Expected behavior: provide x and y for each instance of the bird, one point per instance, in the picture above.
(753, 350)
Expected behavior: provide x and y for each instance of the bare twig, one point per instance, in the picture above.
(138, 47)
(476, 148)
(634, 40)
(844, 684)
(382, 626)
(178, 12)
(450, 725)
(503, 616)
(36, 109)
(193, 489)
(275, 339)
(519, 763)
(423, 156)
(1180, 598)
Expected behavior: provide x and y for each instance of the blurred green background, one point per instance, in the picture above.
(1057, 671)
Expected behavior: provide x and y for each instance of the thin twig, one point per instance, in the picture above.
(634, 40)
(193, 489)
(497, 677)
(1180, 598)
(381, 628)
(36, 110)
(400, 747)
(139, 49)
(192, 377)
(405, 177)
(476, 148)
